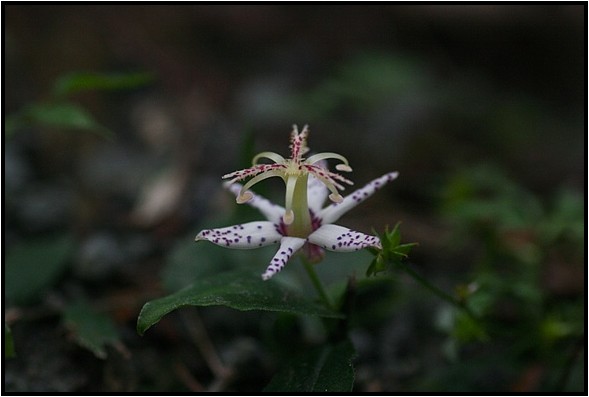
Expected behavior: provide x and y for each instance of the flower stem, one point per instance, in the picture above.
(441, 294)
(317, 283)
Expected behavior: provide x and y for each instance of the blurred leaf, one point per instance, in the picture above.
(241, 290)
(566, 220)
(83, 81)
(181, 269)
(11, 124)
(63, 115)
(90, 329)
(467, 329)
(8, 343)
(485, 194)
(34, 266)
(362, 82)
(323, 369)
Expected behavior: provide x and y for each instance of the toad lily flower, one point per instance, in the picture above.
(303, 222)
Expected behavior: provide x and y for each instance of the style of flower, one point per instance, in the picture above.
(302, 222)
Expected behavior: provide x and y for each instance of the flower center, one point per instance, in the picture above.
(295, 173)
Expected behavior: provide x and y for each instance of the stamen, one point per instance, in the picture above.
(267, 174)
(268, 155)
(345, 166)
(336, 197)
(291, 183)
(244, 197)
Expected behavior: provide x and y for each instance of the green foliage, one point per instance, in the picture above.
(240, 289)
(483, 195)
(8, 343)
(91, 330)
(63, 114)
(34, 266)
(324, 369)
(83, 81)
(519, 236)
(362, 82)
(392, 252)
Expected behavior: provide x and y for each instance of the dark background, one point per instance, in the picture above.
(468, 103)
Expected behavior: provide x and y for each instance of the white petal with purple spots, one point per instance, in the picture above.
(288, 246)
(338, 238)
(272, 212)
(334, 211)
(243, 236)
(316, 194)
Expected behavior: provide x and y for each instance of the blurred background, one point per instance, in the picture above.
(121, 119)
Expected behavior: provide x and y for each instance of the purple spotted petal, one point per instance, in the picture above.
(288, 246)
(272, 212)
(334, 211)
(338, 238)
(316, 193)
(243, 236)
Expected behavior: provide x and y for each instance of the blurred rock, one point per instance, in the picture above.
(98, 257)
(17, 172)
(42, 363)
(154, 124)
(44, 207)
(161, 197)
(116, 170)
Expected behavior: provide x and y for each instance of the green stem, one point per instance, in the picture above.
(441, 294)
(317, 283)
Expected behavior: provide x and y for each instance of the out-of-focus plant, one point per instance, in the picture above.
(59, 111)
(35, 265)
(525, 282)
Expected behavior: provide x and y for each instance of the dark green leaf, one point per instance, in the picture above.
(90, 329)
(82, 81)
(241, 290)
(34, 266)
(404, 249)
(63, 115)
(11, 124)
(394, 236)
(8, 342)
(326, 368)
(376, 266)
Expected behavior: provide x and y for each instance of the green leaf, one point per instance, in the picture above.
(404, 249)
(34, 266)
(326, 368)
(83, 81)
(62, 115)
(90, 329)
(8, 343)
(241, 290)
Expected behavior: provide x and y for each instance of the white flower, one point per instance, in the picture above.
(304, 223)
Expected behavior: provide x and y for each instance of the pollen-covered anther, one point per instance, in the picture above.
(343, 167)
(336, 198)
(244, 197)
